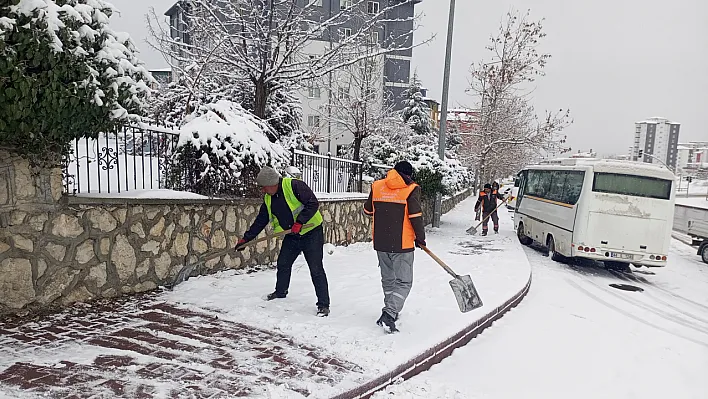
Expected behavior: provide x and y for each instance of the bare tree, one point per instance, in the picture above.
(508, 123)
(358, 102)
(271, 42)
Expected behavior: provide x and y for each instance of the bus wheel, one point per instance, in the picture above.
(551, 245)
(618, 266)
(522, 237)
(704, 253)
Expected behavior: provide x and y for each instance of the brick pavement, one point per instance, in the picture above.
(141, 347)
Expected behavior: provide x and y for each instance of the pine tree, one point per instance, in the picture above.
(416, 113)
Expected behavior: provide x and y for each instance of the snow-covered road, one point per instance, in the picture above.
(575, 336)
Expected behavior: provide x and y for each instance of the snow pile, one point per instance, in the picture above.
(81, 30)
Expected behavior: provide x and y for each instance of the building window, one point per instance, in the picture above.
(345, 4)
(372, 7)
(313, 120)
(313, 92)
(345, 33)
(374, 38)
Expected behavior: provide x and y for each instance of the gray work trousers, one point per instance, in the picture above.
(396, 279)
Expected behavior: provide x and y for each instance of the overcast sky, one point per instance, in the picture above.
(613, 62)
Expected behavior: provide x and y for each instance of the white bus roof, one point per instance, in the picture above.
(610, 166)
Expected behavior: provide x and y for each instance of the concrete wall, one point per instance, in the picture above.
(58, 250)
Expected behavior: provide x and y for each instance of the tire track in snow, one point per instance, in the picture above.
(631, 316)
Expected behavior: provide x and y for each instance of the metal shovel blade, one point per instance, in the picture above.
(472, 230)
(465, 293)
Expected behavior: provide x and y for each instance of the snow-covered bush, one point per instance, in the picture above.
(220, 151)
(433, 174)
(65, 74)
(416, 113)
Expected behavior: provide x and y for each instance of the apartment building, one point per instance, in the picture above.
(656, 141)
(395, 67)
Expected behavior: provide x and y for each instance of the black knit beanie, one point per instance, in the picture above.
(404, 168)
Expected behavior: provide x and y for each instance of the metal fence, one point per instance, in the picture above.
(135, 158)
(325, 173)
(132, 159)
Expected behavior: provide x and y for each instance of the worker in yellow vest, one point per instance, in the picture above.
(290, 204)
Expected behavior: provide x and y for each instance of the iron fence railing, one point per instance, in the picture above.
(136, 158)
(325, 173)
(132, 159)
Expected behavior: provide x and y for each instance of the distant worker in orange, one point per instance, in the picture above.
(487, 203)
(394, 203)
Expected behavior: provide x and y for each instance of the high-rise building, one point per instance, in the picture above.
(656, 141)
(692, 156)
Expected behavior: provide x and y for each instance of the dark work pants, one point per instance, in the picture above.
(310, 245)
(495, 220)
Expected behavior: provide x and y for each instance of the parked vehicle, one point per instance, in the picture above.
(692, 220)
(512, 191)
(618, 212)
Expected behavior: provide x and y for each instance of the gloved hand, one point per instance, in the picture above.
(476, 216)
(296, 228)
(420, 243)
(241, 244)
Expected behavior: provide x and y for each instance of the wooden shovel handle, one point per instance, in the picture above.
(253, 242)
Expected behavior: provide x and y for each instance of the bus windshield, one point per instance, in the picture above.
(637, 186)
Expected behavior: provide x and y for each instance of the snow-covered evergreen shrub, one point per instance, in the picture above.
(64, 74)
(416, 113)
(220, 151)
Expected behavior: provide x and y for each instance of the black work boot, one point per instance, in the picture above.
(276, 295)
(322, 311)
(387, 321)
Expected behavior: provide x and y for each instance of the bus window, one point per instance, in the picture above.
(573, 187)
(637, 186)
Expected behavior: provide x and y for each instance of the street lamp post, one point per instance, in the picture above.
(437, 212)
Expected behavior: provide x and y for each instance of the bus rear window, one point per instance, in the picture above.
(637, 186)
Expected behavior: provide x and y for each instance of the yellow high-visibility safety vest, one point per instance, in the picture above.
(295, 206)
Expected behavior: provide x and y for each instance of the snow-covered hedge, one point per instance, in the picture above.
(220, 151)
(65, 74)
(433, 174)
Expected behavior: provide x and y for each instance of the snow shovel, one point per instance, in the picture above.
(186, 271)
(473, 230)
(462, 286)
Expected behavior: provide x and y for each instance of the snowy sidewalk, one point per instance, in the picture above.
(214, 336)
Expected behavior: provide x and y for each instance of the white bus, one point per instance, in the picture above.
(618, 212)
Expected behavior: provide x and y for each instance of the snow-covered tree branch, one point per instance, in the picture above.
(272, 42)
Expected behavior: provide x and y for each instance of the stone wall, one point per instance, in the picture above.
(58, 250)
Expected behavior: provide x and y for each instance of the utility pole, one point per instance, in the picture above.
(437, 212)
(329, 92)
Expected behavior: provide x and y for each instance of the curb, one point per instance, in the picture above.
(436, 354)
